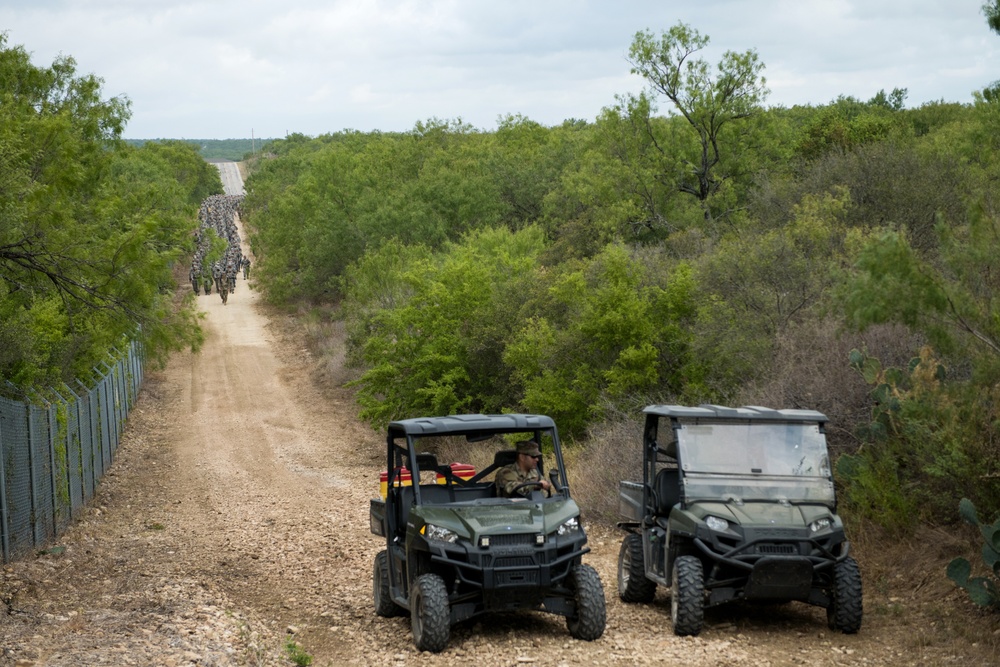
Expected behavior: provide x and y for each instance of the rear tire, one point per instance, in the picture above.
(430, 615)
(687, 597)
(381, 593)
(591, 612)
(846, 608)
(633, 586)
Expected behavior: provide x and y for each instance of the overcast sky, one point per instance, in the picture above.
(216, 69)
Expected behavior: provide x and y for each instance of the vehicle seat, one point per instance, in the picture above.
(667, 490)
(427, 462)
(504, 457)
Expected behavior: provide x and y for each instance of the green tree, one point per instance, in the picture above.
(992, 11)
(708, 103)
(602, 330)
(893, 101)
(345, 194)
(951, 302)
(89, 228)
(612, 189)
(435, 348)
(756, 283)
(848, 124)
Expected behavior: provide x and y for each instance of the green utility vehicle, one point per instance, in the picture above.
(454, 549)
(736, 504)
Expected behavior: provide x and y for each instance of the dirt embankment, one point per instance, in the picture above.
(235, 519)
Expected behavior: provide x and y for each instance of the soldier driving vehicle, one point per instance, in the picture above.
(457, 546)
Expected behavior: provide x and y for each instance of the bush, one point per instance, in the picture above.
(613, 453)
(982, 590)
(925, 443)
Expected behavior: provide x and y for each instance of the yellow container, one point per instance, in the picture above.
(460, 470)
(403, 478)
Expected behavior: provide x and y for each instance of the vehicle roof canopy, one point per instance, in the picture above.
(464, 424)
(747, 412)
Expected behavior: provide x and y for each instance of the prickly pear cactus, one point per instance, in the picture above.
(984, 591)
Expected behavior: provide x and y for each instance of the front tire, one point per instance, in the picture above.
(633, 586)
(430, 615)
(381, 594)
(591, 612)
(846, 609)
(687, 597)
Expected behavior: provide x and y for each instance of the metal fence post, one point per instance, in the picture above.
(53, 454)
(4, 523)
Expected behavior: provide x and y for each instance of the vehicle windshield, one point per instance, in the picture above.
(755, 461)
(474, 459)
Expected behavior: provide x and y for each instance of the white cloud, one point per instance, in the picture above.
(219, 68)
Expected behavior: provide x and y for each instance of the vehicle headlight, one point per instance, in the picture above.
(568, 526)
(820, 524)
(717, 524)
(432, 532)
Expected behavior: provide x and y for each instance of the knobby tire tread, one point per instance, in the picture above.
(591, 610)
(430, 614)
(688, 596)
(846, 611)
(381, 594)
(632, 562)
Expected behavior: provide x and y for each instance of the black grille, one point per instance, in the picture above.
(518, 577)
(513, 562)
(512, 540)
(777, 549)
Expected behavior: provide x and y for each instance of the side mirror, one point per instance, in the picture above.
(554, 479)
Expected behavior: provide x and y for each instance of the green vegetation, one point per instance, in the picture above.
(296, 654)
(842, 257)
(725, 252)
(90, 228)
(984, 591)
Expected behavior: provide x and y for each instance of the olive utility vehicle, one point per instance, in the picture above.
(736, 504)
(454, 549)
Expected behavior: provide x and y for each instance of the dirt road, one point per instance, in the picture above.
(235, 519)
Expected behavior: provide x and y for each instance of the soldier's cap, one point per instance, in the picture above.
(529, 447)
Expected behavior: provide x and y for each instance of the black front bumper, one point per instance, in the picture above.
(770, 564)
(508, 577)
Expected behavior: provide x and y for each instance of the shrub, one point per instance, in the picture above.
(982, 590)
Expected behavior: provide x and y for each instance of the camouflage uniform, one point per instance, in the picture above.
(231, 277)
(218, 275)
(509, 477)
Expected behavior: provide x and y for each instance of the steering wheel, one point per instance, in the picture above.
(524, 485)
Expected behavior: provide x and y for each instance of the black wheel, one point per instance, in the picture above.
(384, 606)
(687, 596)
(591, 613)
(430, 616)
(633, 586)
(845, 610)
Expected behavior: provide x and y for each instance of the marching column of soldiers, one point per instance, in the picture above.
(218, 214)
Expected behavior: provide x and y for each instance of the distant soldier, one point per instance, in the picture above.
(193, 277)
(246, 268)
(207, 279)
(218, 275)
(231, 276)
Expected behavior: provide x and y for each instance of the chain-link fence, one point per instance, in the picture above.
(54, 450)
